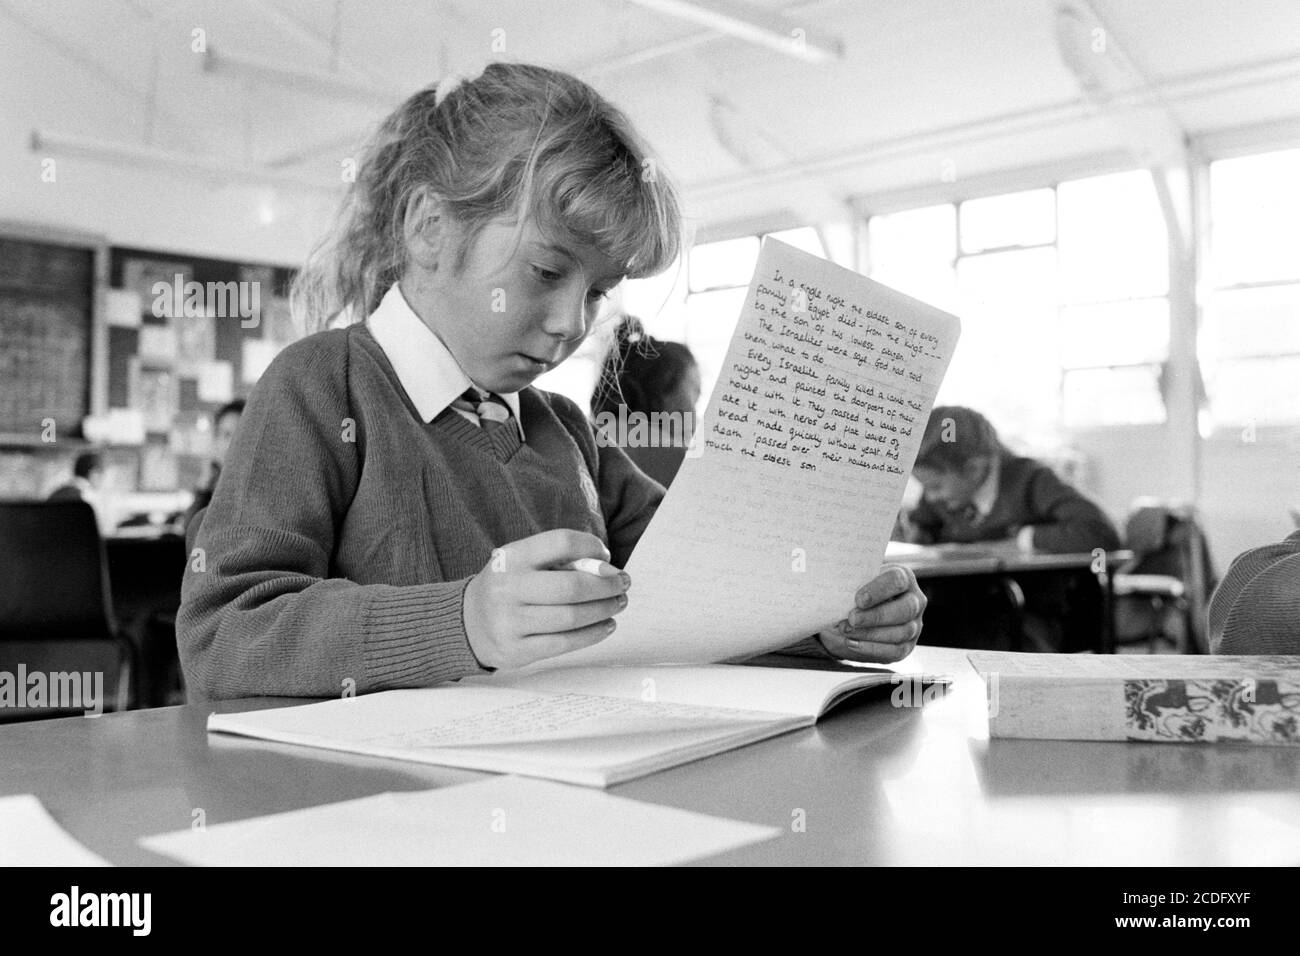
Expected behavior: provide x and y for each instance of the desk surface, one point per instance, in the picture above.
(961, 560)
(876, 784)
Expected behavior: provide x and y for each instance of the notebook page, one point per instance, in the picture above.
(785, 502)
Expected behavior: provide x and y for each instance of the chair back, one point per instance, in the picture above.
(53, 577)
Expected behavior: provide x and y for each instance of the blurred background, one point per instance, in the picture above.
(1106, 192)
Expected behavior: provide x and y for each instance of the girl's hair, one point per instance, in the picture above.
(639, 371)
(955, 435)
(519, 141)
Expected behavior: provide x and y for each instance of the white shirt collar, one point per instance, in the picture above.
(424, 365)
(987, 495)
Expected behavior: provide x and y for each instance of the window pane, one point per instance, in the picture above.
(1006, 363)
(1113, 396)
(1115, 333)
(805, 238)
(1255, 217)
(1249, 322)
(1262, 391)
(658, 301)
(717, 265)
(913, 252)
(711, 318)
(1112, 240)
(1017, 219)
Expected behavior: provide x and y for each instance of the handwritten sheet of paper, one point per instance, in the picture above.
(29, 836)
(505, 821)
(784, 504)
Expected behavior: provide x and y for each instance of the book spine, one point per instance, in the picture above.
(1246, 710)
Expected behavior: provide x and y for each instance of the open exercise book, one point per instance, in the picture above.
(780, 512)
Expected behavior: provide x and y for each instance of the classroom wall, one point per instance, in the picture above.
(1246, 487)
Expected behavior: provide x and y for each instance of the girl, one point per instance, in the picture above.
(399, 504)
(656, 384)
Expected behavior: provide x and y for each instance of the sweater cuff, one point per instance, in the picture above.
(415, 636)
(809, 647)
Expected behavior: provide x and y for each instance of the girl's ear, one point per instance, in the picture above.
(426, 229)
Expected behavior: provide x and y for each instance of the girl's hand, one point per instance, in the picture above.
(525, 606)
(883, 626)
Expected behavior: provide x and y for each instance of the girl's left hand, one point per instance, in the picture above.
(884, 624)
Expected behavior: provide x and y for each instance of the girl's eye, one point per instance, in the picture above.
(595, 295)
(547, 275)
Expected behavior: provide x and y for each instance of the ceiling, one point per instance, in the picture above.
(926, 89)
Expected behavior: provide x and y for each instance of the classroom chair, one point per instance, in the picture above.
(1161, 594)
(56, 615)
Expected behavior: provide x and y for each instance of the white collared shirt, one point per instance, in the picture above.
(986, 495)
(424, 365)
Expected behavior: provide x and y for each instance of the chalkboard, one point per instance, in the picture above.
(46, 311)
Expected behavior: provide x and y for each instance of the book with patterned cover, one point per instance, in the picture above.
(1151, 698)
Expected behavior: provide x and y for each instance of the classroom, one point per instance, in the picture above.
(643, 432)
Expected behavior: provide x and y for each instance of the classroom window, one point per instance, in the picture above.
(1249, 340)
(1061, 292)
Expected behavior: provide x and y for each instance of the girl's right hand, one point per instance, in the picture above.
(525, 605)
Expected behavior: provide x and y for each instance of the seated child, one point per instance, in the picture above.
(656, 384)
(400, 506)
(975, 490)
(1256, 610)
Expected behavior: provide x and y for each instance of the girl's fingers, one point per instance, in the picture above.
(898, 610)
(559, 618)
(892, 634)
(893, 580)
(549, 549)
(568, 587)
(539, 646)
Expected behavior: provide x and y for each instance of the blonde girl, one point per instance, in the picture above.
(400, 503)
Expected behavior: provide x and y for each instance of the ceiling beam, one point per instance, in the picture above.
(751, 25)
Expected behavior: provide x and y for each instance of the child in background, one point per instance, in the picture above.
(224, 424)
(976, 490)
(658, 382)
(1256, 610)
(399, 505)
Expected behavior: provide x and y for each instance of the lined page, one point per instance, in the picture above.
(784, 504)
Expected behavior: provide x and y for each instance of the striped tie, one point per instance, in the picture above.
(487, 408)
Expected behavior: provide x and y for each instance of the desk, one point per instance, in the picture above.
(877, 784)
(1007, 563)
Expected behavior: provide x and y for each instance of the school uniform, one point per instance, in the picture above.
(1019, 493)
(1020, 498)
(1256, 609)
(357, 502)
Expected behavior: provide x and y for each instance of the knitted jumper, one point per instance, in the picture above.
(343, 530)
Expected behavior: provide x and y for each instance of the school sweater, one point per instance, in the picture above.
(1256, 609)
(1029, 493)
(344, 529)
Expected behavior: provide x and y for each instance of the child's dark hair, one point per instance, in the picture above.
(639, 370)
(955, 435)
(518, 142)
(235, 407)
(87, 462)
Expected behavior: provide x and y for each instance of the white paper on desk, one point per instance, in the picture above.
(29, 836)
(504, 821)
(748, 554)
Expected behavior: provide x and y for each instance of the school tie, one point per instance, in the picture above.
(488, 408)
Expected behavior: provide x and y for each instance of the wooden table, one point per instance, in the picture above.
(876, 784)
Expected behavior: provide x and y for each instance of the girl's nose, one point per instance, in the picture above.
(567, 317)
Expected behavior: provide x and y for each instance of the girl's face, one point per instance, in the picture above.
(514, 309)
